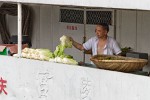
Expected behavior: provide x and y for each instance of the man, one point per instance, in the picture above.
(101, 43)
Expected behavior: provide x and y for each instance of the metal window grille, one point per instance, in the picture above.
(95, 17)
(92, 17)
(71, 16)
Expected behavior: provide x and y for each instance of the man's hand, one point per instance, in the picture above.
(71, 39)
(76, 44)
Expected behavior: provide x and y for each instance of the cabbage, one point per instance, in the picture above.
(60, 56)
(45, 54)
(58, 60)
(40, 54)
(64, 60)
(59, 50)
(25, 50)
(69, 61)
(66, 42)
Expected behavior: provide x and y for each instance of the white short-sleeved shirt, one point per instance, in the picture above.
(110, 48)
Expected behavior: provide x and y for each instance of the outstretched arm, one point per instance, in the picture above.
(77, 45)
(80, 47)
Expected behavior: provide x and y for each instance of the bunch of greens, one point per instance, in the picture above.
(64, 43)
(59, 50)
(60, 56)
(39, 54)
(45, 54)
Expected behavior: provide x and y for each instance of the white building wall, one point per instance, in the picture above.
(42, 27)
(36, 26)
(45, 36)
(143, 33)
(126, 28)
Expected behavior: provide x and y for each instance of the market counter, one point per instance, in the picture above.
(40, 80)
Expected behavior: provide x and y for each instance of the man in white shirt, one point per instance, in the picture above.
(101, 43)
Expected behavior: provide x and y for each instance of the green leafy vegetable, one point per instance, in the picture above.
(65, 41)
(69, 61)
(45, 54)
(40, 54)
(58, 55)
(59, 50)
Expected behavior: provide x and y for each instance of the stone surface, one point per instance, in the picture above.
(40, 80)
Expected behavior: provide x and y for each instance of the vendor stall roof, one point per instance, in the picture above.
(120, 4)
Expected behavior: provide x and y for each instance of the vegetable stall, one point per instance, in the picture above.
(55, 74)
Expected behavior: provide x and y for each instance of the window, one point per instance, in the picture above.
(93, 16)
(71, 16)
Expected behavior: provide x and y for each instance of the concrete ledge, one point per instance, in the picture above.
(40, 80)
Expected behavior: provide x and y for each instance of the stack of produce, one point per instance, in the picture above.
(38, 54)
(60, 56)
(45, 54)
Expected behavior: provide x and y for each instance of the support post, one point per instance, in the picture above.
(19, 29)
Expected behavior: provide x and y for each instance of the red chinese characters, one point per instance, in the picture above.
(71, 27)
(2, 86)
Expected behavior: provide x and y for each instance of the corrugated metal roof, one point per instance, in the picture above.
(121, 4)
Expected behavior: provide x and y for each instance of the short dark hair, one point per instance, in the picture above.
(105, 26)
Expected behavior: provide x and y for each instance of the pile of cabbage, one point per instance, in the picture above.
(58, 56)
(38, 54)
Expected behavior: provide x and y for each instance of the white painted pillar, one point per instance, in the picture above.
(84, 37)
(19, 29)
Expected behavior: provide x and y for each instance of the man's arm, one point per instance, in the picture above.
(80, 47)
(77, 45)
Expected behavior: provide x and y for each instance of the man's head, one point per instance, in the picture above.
(101, 30)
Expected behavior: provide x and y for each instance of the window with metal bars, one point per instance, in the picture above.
(92, 17)
(71, 16)
(95, 17)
